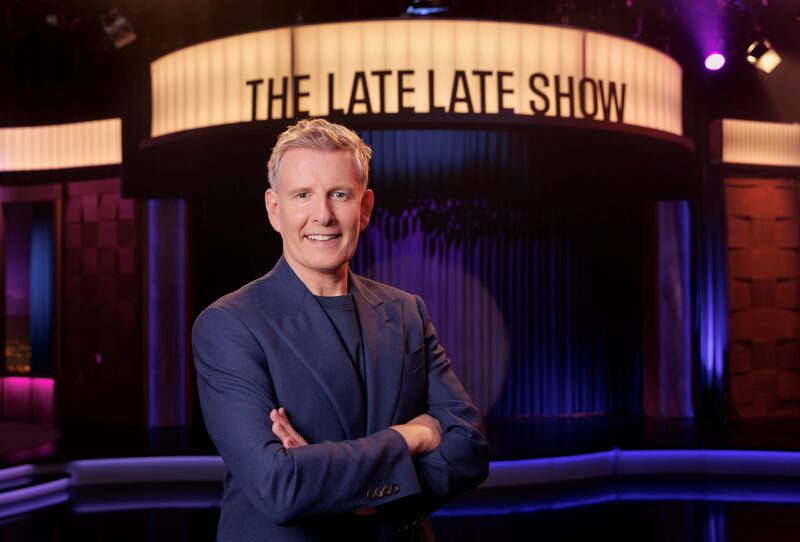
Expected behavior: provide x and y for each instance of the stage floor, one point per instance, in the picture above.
(658, 508)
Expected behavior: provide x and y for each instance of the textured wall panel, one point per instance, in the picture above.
(101, 375)
(763, 272)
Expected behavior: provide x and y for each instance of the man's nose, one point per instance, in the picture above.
(323, 214)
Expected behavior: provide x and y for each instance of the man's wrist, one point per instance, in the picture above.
(410, 437)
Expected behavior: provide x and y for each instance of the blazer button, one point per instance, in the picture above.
(371, 495)
(387, 490)
(379, 493)
(395, 488)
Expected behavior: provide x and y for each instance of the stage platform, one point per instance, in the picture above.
(552, 479)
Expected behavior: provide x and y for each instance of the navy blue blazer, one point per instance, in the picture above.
(270, 344)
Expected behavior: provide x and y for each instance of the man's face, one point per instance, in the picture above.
(319, 208)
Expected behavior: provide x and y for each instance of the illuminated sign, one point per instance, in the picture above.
(61, 146)
(758, 143)
(413, 67)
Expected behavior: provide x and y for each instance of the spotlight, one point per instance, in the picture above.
(714, 61)
(118, 28)
(761, 55)
(427, 7)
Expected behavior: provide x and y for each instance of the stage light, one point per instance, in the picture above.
(761, 55)
(427, 7)
(118, 28)
(715, 61)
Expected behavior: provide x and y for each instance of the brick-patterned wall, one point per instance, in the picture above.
(764, 297)
(101, 376)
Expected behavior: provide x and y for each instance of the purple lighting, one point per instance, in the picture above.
(27, 398)
(715, 61)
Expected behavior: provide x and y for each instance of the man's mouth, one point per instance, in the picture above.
(327, 237)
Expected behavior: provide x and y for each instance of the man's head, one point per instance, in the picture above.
(320, 135)
(318, 198)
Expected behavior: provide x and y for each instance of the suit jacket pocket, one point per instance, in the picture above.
(414, 361)
(413, 394)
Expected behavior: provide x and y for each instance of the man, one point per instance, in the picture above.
(327, 394)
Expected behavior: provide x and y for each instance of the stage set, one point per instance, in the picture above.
(609, 252)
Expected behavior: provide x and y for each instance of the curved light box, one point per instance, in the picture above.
(61, 146)
(449, 69)
(217, 106)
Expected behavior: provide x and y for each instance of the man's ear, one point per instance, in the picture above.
(367, 201)
(271, 203)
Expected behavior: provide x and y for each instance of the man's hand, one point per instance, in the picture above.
(422, 434)
(284, 430)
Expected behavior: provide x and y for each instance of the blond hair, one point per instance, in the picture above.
(319, 134)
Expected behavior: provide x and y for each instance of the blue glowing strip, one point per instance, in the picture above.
(530, 472)
(15, 472)
(88, 472)
(152, 322)
(29, 505)
(522, 506)
(181, 310)
(33, 492)
(551, 469)
(425, 11)
(97, 507)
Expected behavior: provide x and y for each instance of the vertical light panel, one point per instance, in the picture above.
(60, 146)
(760, 143)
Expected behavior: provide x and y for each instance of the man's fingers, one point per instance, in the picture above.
(298, 439)
(283, 429)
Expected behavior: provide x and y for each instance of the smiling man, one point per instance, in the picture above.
(328, 395)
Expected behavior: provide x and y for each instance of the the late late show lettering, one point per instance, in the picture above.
(553, 95)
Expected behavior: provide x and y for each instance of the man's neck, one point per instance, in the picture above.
(323, 284)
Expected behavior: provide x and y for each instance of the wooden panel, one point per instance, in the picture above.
(763, 277)
(101, 379)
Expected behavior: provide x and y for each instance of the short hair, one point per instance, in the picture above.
(319, 134)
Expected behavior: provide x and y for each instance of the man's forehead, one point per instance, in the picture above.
(316, 164)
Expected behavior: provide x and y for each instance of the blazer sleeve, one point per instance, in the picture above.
(321, 479)
(461, 461)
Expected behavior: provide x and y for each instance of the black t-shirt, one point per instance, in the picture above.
(341, 310)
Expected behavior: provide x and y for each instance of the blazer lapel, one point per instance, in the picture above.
(309, 333)
(382, 330)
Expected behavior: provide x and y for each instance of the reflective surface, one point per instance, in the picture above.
(652, 509)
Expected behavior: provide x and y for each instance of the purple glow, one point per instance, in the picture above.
(27, 398)
(16, 397)
(152, 313)
(160, 216)
(87, 472)
(42, 450)
(42, 403)
(621, 494)
(100, 506)
(705, 23)
(715, 61)
(19, 471)
(33, 492)
(29, 505)
(553, 470)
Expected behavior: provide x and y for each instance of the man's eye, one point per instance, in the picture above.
(302, 195)
(339, 195)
